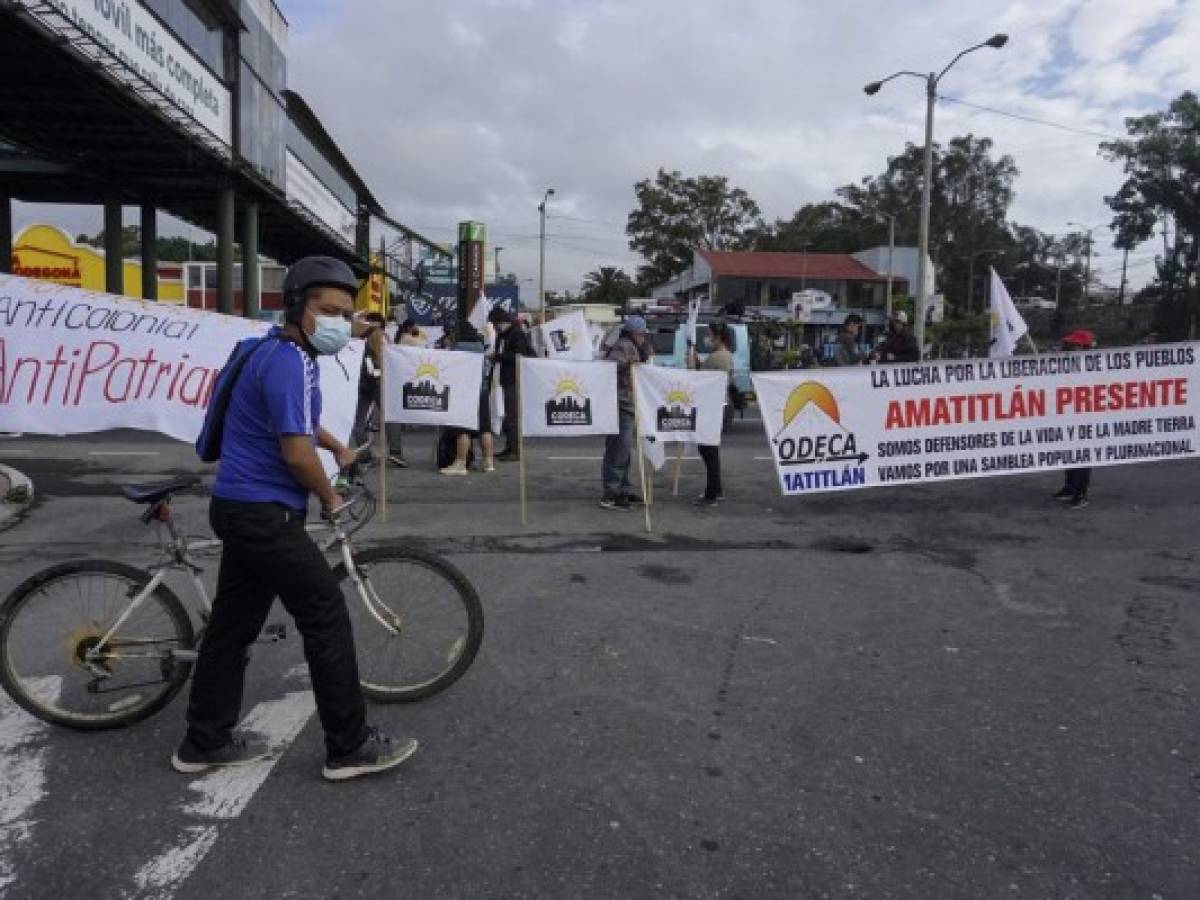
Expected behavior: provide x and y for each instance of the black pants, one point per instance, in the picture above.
(1078, 481)
(512, 416)
(267, 554)
(712, 469)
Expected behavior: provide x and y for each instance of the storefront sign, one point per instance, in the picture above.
(305, 188)
(935, 421)
(129, 32)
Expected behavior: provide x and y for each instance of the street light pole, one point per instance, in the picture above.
(931, 80)
(891, 252)
(542, 254)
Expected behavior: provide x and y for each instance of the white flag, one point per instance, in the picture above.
(567, 337)
(567, 398)
(680, 404)
(693, 320)
(432, 387)
(655, 452)
(479, 313)
(1007, 325)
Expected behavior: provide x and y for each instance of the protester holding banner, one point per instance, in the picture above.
(632, 347)
(408, 335)
(900, 344)
(512, 341)
(372, 333)
(719, 359)
(268, 468)
(470, 341)
(1075, 489)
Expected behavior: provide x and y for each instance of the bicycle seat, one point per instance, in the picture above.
(152, 493)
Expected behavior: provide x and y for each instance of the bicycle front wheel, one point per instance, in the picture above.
(52, 625)
(418, 623)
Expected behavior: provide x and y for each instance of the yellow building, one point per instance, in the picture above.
(48, 254)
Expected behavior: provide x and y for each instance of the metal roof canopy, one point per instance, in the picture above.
(78, 130)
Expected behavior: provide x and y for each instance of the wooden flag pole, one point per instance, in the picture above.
(637, 439)
(678, 469)
(520, 444)
(383, 441)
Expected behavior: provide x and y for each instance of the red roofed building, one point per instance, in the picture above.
(754, 278)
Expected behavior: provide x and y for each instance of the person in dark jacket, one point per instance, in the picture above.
(512, 341)
(847, 351)
(631, 348)
(900, 344)
(1075, 489)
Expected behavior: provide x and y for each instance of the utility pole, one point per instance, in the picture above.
(1124, 269)
(542, 254)
(891, 252)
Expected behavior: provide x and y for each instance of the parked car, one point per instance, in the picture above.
(1035, 303)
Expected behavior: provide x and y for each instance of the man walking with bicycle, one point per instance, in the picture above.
(268, 467)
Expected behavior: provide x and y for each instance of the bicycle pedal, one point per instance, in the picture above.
(275, 632)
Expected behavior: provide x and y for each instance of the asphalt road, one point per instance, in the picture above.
(961, 690)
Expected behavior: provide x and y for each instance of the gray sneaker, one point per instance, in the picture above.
(238, 752)
(378, 753)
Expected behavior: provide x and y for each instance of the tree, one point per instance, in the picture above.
(828, 227)
(170, 249)
(1161, 159)
(678, 215)
(608, 284)
(969, 200)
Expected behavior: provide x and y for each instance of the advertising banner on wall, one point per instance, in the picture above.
(74, 361)
(934, 421)
(679, 405)
(432, 387)
(305, 188)
(129, 33)
(567, 399)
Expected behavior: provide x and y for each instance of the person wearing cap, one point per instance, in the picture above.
(512, 341)
(900, 344)
(268, 468)
(631, 347)
(1074, 491)
(847, 351)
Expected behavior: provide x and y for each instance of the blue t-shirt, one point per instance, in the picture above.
(277, 394)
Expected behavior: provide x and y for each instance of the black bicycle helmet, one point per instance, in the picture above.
(316, 271)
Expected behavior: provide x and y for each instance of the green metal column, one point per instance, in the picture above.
(251, 299)
(149, 252)
(6, 235)
(114, 279)
(225, 240)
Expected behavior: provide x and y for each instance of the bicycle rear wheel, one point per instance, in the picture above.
(48, 624)
(419, 627)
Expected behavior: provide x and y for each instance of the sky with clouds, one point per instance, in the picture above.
(469, 109)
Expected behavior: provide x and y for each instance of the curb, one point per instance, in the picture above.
(15, 484)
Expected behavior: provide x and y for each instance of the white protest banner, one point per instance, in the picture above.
(479, 313)
(74, 361)
(922, 422)
(679, 404)
(432, 387)
(1007, 326)
(567, 399)
(568, 337)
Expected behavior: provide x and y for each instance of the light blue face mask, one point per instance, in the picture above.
(332, 334)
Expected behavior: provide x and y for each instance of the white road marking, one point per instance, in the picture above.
(22, 772)
(575, 458)
(124, 453)
(223, 795)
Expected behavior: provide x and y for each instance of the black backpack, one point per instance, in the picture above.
(208, 444)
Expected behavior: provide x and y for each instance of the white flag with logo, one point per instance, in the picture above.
(1007, 325)
(680, 404)
(432, 387)
(567, 398)
(568, 337)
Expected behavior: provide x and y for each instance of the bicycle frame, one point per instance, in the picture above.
(178, 550)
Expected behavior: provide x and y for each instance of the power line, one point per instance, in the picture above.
(1031, 119)
(620, 225)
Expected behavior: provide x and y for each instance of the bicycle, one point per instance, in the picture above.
(93, 644)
